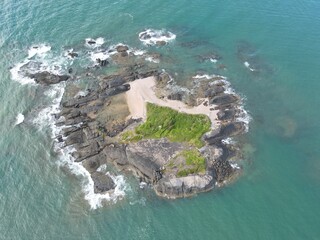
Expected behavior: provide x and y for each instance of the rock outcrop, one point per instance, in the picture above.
(48, 78)
(93, 125)
(184, 186)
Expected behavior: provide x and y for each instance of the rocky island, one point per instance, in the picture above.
(139, 120)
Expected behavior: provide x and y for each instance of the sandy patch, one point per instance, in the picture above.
(142, 91)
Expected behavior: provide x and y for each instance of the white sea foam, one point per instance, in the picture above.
(46, 117)
(17, 76)
(207, 76)
(151, 59)
(201, 76)
(40, 49)
(19, 119)
(39, 59)
(228, 141)
(247, 65)
(136, 52)
(235, 166)
(142, 185)
(95, 42)
(152, 37)
(213, 60)
(103, 55)
(244, 117)
(102, 168)
(95, 200)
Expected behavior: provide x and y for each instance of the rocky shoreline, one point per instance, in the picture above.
(92, 124)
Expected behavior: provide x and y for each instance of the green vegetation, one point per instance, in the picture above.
(195, 163)
(166, 122)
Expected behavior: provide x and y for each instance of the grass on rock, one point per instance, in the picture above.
(165, 122)
(187, 162)
(195, 163)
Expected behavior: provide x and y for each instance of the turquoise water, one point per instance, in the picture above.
(277, 196)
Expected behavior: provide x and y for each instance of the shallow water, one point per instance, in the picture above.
(276, 197)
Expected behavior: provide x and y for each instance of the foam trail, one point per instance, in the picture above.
(46, 117)
(207, 76)
(244, 117)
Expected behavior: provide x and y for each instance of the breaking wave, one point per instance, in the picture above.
(154, 37)
(40, 58)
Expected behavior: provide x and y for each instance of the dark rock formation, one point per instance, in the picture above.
(227, 115)
(224, 99)
(211, 92)
(102, 62)
(91, 42)
(102, 182)
(48, 78)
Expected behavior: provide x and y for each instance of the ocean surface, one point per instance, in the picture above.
(270, 53)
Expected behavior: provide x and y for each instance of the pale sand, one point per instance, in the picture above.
(142, 91)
